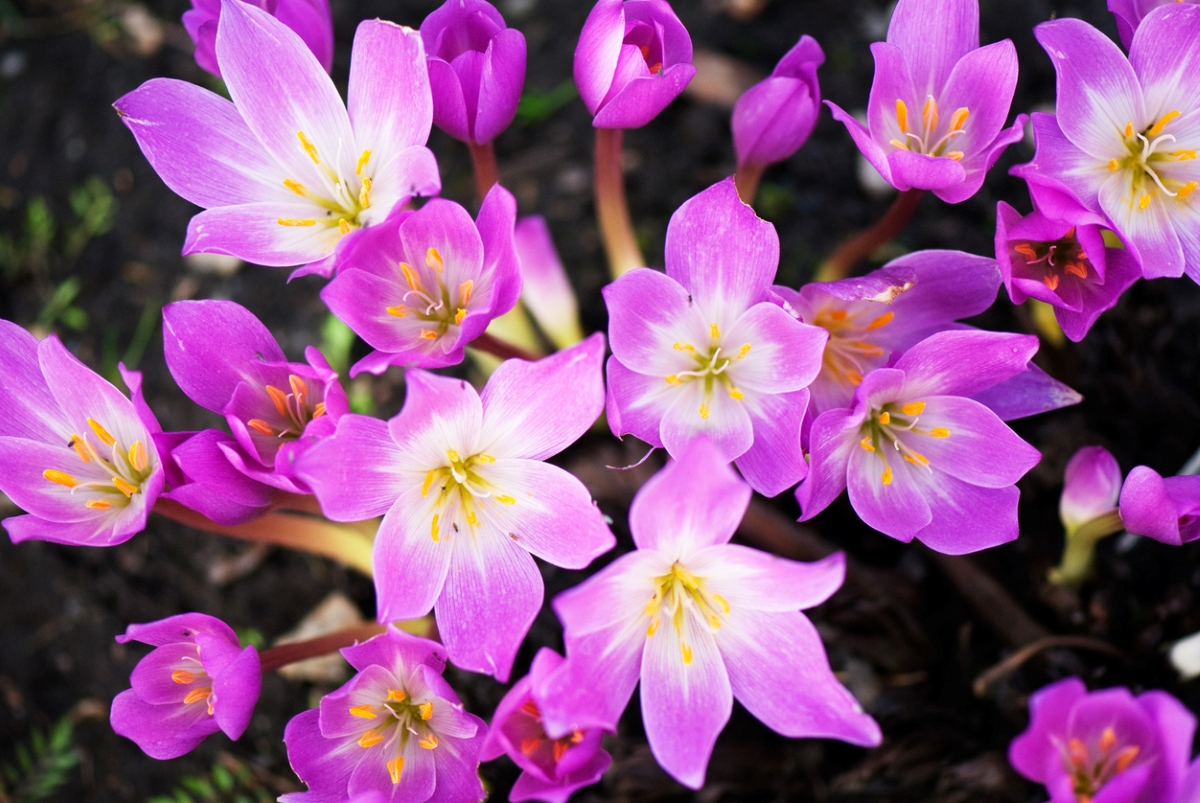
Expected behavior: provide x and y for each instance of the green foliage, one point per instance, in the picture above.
(536, 107)
(229, 781)
(43, 243)
(336, 341)
(42, 765)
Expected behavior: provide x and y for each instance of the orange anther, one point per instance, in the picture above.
(394, 768)
(370, 738)
(60, 477)
(464, 292)
(882, 321)
(196, 695)
(885, 418)
(97, 504)
(182, 677)
(137, 456)
(81, 448)
(913, 408)
(399, 311)
(124, 487)
(1127, 757)
(429, 741)
(363, 711)
(396, 695)
(530, 744)
(433, 260)
(1051, 281)
(101, 432)
(279, 399)
(426, 710)
(260, 426)
(560, 749)
(530, 707)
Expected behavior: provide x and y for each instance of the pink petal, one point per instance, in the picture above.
(253, 232)
(411, 566)
(389, 102)
(934, 35)
(354, 474)
(752, 580)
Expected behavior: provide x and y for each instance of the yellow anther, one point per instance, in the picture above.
(1144, 201)
(1129, 129)
(472, 519)
(459, 315)
(902, 115)
(885, 418)
(929, 114)
(433, 260)
(399, 311)
(913, 408)
(887, 475)
(1186, 190)
(484, 458)
(704, 411)
(60, 477)
(433, 527)
(916, 458)
(714, 331)
(371, 738)
(882, 321)
(853, 377)
(1184, 155)
(687, 652)
(464, 292)
(182, 677)
(653, 628)
(426, 710)
(410, 276)
(309, 148)
(362, 162)
(429, 478)
(295, 186)
(721, 601)
(504, 499)
(427, 334)
(344, 226)
(1114, 165)
(81, 448)
(396, 696)
(395, 767)
(101, 432)
(428, 742)
(736, 394)
(672, 379)
(292, 221)
(124, 487)
(713, 621)
(940, 432)
(743, 351)
(684, 347)
(364, 194)
(955, 155)
(196, 695)
(958, 118)
(453, 456)
(363, 711)
(866, 444)
(1158, 127)
(97, 504)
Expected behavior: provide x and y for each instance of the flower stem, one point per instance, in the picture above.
(493, 345)
(1080, 550)
(305, 533)
(616, 227)
(852, 251)
(285, 654)
(746, 180)
(483, 159)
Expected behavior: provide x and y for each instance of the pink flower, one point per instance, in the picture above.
(773, 118)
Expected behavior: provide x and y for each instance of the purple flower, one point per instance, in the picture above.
(1091, 487)
(1165, 509)
(197, 680)
(551, 769)
(773, 118)
(286, 172)
(545, 288)
(1105, 746)
(420, 291)
(465, 496)
(702, 352)
(919, 457)
(1125, 135)
(226, 361)
(310, 19)
(201, 477)
(395, 732)
(873, 318)
(699, 621)
(633, 58)
(476, 69)
(939, 100)
(78, 456)
(1130, 13)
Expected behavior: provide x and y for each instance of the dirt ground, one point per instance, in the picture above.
(89, 248)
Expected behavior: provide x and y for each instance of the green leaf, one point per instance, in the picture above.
(536, 107)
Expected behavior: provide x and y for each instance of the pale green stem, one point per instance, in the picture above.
(1079, 553)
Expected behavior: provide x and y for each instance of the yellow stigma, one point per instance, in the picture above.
(704, 411)
(371, 738)
(913, 408)
(434, 260)
(958, 118)
(400, 311)
(1158, 127)
(684, 347)
(464, 292)
(309, 148)
(293, 221)
(426, 710)
(714, 331)
(363, 711)
(395, 767)
(294, 186)
(60, 477)
(124, 487)
(743, 351)
(362, 162)
(504, 499)
(101, 432)
(687, 652)
(364, 194)
(428, 742)
(433, 527)
(887, 475)
(182, 677)
(672, 379)
(885, 418)
(902, 116)
(940, 432)
(882, 321)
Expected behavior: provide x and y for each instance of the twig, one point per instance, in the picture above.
(1013, 662)
(990, 600)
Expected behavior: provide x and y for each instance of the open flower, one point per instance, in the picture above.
(938, 102)
(286, 172)
(420, 291)
(78, 455)
(465, 497)
(198, 680)
(310, 19)
(702, 352)
(699, 621)
(1126, 133)
(395, 732)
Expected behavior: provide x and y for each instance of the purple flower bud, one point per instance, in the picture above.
(775, 116)
(476, 69)
(1091, 485)
(545, 288)
(198, 680)
(633, 58)
(308, 18)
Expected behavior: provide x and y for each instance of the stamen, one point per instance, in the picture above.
(464, 292)
(101, 432)
(916, 458)
(399, 311)
(433, 527)
(364, 194)
(673, 379)
(576, 737)
(1184, 155)
(344, 226)
(866, 444)
(652, 629)
(1145, 201)
(929, 114)
(434, 260)
(853, 377)
(530, 707)
(80, 446)
(882, 321)
(394, 768)
(428, 334)
(1129, 129)
(885, 418)
(363, 711)
(196, 695)
(484, 458)
(887, 475)
(124, 487)
(459, 315)
(182, 677)
(1126, 757)
(958, 118)
(687, 652)
(396, 696)
(714, 331)
(1158, 127)
(899, 144)
(371, 738)
(309, 148)
(1051, 281)
(428, 742)
(704, 411)
(902, 116)
(97, 504)
(428, 482)
(684, 347)
(743, 351)
(1114, 165)
(295, 186)
(913, 408)
(291, 221)
(60, 477)
(939, 432)
(260, 426)
(560, 749)
(839, 314)
(318, 409)
(279, 398)
(362, 162)
(1108, 739)
(736, 394)
(299, 388)
(530, 744)
(1077, 269)
(472, 519)
(505, 499)
(955, 155)
(1186, 190)
(410, 276)
(426, 710)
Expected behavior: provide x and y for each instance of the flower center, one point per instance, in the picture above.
(1053, 260)
(191, 673)
(344, 198)
(1145, 160)
(399, 718)
(296, 410)
(118, 472)
(429, 299)
(532, 745)
(680, 593)
(881, 433)
(460, 485)
(848, 353)
(1091, 771)
(924, 139)
(711, 367)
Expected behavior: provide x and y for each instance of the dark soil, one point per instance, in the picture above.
(906, 640)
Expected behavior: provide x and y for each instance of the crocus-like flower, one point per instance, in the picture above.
(773, 118)
(310, 19)
(702, 352)
(551, 769)
(921, 459)
(286, 172)
(1091, 487)
(198, 680)
(1165, 509)
(420, 291)
(938, 102)
(1062, 260)
(476, 69)
(633, 58)
(873, 318)
(226, 361)
(545, 288)
(465, 496)
(1130, 13)
(1125, 135)
(699, 621)
(78, 456)
(1106, 746)
(395, 732)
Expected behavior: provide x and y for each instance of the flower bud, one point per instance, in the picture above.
(773, 118)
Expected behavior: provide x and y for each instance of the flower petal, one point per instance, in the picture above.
(933, 37)
(784, 354)
(389, 102)
(964, 362)
(775, 462)
(1165, 58)
(649, 312)
(968, 518)
(253, 232)
(752, 580)
(411, 566)
(354, 474)
(980, 448)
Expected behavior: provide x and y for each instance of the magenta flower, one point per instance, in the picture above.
(1130, 13)
(939, 100)
(286, 172)
(1091, 487)
(476, 69)
(1125, 136)
(919, 457)
(702, 352)
(773, 118)
(551, 769)
(201, 477)
(545, 288)
(465, 496)
(196, 681)
(699, 621)
(872, 319)
(420, 291)
(395, 732)
(310, 19)
(1165, 509)
(226, 361)
(78, 456)
(633, 58)
(1105, 746)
